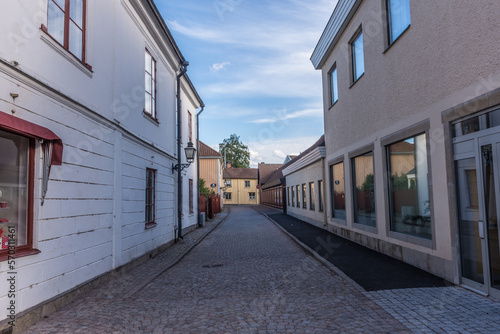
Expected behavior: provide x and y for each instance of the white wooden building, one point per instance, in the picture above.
(92, 90)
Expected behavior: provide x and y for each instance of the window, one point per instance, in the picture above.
(293, 196)
(363, 189)
(251, 196)
(227, 196)
(398, 13)
(191, 195)
(320, 195)
(312, 205)
(334, 92)
(298, 196)
(288, 195)
(16, 193)
(190, 127)
(66, 24)
(228, 183)
(409, 204)
(247, 184)
(304, 203)
(150, 84)
(150, 197)
(358, 62)
(337, 189)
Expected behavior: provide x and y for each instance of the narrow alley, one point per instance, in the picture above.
(248, 276)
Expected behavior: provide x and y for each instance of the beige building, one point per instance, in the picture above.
(412, 128)
(211, 167)
(240, 186)
(304, 185)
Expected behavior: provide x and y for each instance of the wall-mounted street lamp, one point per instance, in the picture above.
(190, 152)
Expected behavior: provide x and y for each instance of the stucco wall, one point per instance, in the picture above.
(446, 57)
(311, 173)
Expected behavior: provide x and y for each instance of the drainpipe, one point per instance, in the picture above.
(183, 71)
(200, 223)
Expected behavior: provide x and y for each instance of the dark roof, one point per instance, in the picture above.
(277, 176)
(207, 151)
(265, 170)
(402, 147)
(240, 173)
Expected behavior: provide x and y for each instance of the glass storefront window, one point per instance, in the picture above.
(338, 190)
(409, 188)
(364, 190)
(477, 123)
(14, 188)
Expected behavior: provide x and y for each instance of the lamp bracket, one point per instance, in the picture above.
(182, 166)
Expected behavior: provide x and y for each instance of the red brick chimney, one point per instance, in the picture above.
(228, 164)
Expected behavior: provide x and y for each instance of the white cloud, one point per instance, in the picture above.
(218, 67)
(283, 116)
(279, 154)
(265, 151)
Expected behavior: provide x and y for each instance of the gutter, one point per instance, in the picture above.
(184, 65)
(200, 223)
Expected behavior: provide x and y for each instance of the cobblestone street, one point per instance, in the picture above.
(247, 276)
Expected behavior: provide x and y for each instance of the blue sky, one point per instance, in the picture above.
(249, 61)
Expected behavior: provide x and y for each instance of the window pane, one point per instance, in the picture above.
(399, 17)
(364, 194)
(147, 106)
(357, 56)
(147, 83)
(312, 204)
(410, 206)
(304, 196)
(14, 168)
(147, 62)
(76, 12)
(338, 191)
(55, 22)
(298, 196)
(334, 86)
(75, 40)
(320, 192)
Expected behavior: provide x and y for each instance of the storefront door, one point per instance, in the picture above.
(478, 186)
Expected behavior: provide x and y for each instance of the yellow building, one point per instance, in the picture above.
(211, 168)
(241, 186)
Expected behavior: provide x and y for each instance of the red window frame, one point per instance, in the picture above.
(25, 250)
(152, 76)
(150, 208)
(67, 19)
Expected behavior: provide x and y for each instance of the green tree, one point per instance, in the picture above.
(204, 190)
(234, 150)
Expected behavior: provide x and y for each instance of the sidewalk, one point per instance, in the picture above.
(422, 302)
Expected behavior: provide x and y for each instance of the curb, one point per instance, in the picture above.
(318, 257)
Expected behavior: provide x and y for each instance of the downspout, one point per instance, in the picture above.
(183, 71)
(325, 213)
(200, 223)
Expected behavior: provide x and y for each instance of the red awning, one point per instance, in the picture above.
(22, 127)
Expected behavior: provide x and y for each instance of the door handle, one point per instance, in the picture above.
(480, 227)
